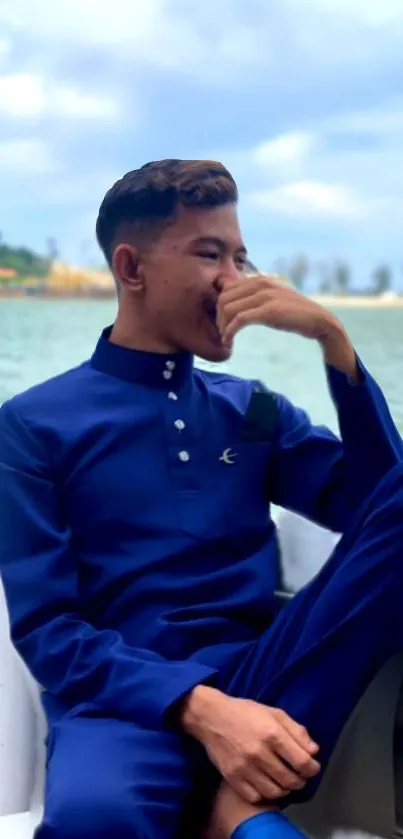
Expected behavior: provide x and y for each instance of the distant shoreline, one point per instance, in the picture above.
(333, 300)
(19, 294)
(358, 301)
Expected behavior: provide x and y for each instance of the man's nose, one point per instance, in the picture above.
(229, 273)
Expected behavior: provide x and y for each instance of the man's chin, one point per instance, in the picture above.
(216, 353)
(209, 346)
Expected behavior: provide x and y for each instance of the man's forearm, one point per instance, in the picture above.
(247, 741)
(371, 442)
(199, 708)
(338, 351)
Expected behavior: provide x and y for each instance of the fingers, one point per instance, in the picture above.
(280, 765)
(297, 757)
(259, 788)
(267, 787)
(243, 296)
(274, 769)
(292, 743)
(241, 291)
(269, 782)
(300, 734)
(226, 311)
(247, 791)
(244, 302)
(234, 290)
(239, 320)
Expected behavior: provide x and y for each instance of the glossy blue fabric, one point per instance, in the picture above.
(267, 826)
(139, 559)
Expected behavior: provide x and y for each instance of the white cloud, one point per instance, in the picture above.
(21, 95)
(278, 71)
(86, 21)
(386, 122)
(347, 166)
(215, 42)
(372, 13)
(312, 198)
(4, 48)
(69, 102)
(207, 41)
(287, 148)
(330, 39)
(365, 147)
(30, 95)
(22, 158)
(79, 189)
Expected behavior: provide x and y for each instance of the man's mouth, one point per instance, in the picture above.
(210, 308)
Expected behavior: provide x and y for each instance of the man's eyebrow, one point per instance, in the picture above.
(218, 243)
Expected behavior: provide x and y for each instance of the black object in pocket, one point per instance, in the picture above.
(261, 417)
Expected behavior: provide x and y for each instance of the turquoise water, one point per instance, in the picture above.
(41, 338)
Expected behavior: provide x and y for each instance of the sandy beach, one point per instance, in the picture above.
(354, 301)
(359, 301)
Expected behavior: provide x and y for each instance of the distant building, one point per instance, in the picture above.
(7, 273)
(389, 295)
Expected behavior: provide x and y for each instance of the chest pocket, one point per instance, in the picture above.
(244, 475)
(243, 486)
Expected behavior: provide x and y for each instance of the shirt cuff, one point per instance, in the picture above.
(176, 688)
(339, 381)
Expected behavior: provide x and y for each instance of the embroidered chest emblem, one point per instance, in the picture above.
(228, 457)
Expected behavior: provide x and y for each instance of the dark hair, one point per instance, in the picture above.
(149, 198)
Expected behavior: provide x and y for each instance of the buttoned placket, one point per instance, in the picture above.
(196, 509)
(177, 422)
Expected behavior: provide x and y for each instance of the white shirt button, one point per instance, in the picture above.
(184, 456)
(170, 365)
(167, 374)
(173, 396)
(179, 424)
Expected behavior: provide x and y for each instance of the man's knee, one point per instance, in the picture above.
(91, 816)
(107, 778)
(385, 501)
(391, 485)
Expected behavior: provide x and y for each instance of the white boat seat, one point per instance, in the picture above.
(358, 790)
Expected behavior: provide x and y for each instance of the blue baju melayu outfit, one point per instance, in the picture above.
(139, 559)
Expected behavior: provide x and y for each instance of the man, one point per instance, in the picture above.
(138, 557)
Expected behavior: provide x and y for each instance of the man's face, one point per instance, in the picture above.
(183, 273)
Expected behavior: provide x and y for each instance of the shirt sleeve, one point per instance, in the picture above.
(78, 664)
(325, 478)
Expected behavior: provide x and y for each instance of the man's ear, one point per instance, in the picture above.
(125, 267)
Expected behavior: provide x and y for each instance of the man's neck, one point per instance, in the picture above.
(127, 333)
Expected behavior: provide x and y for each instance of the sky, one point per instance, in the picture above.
(301, 99)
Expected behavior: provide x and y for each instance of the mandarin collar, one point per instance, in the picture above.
(150, 369)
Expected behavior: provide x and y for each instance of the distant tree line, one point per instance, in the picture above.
(20, 262)
(329, 277)
(333, 276)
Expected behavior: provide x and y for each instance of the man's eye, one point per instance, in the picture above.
(208, 254)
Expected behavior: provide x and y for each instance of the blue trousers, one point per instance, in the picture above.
(108, 778)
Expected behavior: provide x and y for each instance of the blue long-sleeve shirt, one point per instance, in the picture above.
(136, 547)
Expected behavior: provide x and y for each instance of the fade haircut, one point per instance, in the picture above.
(146, 200)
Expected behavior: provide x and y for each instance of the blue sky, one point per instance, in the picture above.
(302, 99)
